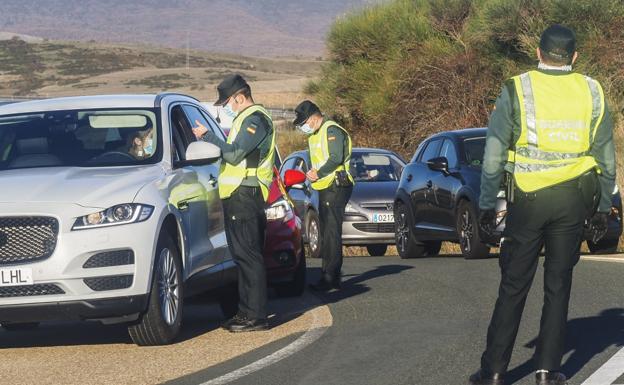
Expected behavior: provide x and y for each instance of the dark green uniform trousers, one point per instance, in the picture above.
(332, 203)
(245, 223)
(552, 217)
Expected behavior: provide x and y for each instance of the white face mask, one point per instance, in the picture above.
(306, 129)
(229, 111)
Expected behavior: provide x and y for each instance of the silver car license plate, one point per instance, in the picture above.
(383, 218)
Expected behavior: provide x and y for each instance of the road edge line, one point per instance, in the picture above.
(314, 332)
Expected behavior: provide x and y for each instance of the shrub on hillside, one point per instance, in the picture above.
(402, 70)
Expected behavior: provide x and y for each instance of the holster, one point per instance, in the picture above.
(510, 183)
(342, 179)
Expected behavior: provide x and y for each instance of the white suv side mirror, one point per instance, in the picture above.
(202, 150)
(199, 153)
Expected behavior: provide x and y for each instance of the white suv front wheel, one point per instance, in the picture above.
(161, 323)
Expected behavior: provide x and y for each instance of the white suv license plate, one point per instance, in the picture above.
(16, 277)
(383, 218)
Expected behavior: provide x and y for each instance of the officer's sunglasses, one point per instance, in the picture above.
(298, 126)
(230, 98)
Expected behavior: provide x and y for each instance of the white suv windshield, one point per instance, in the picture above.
(89, 138)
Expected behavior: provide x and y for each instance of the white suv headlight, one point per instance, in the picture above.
(280, 210)
(113, 216)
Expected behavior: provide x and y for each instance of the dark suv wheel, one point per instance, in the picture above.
(468, 232)
(406, 243)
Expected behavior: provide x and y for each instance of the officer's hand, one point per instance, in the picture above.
(487, 220)
(199, 130)
(598, 226)
(312, 175)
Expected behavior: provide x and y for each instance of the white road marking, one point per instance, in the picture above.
(603, 259)
(312, 334)
(609, 372)
(614, 368)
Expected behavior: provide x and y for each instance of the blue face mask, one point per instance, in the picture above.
(229, 111)
(306, 129)
(149, 148)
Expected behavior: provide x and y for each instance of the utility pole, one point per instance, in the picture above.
(187, 52)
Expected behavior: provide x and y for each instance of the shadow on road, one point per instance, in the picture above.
(201, 315)
(355, 284)
(586, 338)
(198, 319)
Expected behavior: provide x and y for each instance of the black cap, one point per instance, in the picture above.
(304, 110)
(558, 42)
(228, 87)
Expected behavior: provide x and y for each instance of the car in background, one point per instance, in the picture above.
(437, 200)
(109, 211)
(284, 252)
(369, 214)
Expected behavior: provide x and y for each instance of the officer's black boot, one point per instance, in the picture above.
(248, 325)
(326, 283)
(237, 318)
(550, 378)
(483, 377)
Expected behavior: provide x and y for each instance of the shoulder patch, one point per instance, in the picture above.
(252, 129)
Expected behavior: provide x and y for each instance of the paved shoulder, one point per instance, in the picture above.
(89, 353)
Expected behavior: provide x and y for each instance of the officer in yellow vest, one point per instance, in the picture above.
(244, 180)
(552, 130)
(330, 153)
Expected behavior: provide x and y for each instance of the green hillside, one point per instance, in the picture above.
(409, 68)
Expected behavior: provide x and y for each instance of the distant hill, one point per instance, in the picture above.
(251, 27)
(57, 68)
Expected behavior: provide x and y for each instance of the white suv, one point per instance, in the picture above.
(109, 210)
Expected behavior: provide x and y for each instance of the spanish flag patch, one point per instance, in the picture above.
(251, 130)
(331, 138)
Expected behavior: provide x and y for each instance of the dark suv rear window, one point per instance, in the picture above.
(474, 148)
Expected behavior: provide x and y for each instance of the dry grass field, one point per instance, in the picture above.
(50, 69)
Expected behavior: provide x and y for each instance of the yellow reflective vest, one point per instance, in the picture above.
(319, 155)
(231, 176)
(559, 117)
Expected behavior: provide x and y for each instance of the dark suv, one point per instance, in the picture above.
(437, 200)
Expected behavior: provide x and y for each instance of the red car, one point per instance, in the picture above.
(284, 254)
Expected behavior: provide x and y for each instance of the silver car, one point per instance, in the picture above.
(109, 210)
(369, 215)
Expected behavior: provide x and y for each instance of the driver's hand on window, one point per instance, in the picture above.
(199, 130)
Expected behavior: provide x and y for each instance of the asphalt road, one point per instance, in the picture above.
(424, 322)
